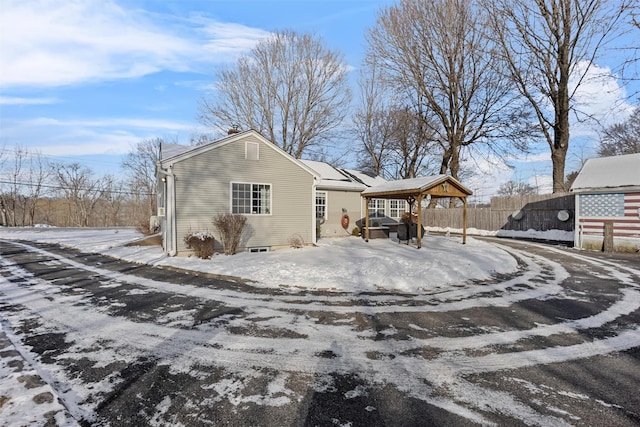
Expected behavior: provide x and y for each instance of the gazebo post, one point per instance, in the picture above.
(464, 220)
(366, 219)
(419, 230)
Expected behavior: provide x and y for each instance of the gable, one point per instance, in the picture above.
(251, 142)
(436, 185)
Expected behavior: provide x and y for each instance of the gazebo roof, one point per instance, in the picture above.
(434, 185)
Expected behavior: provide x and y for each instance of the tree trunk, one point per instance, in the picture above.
(558, 157)
(561, 132)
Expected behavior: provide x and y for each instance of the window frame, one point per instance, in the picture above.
(325, 216)
(374, 211)
(252, 189)
(399, 210)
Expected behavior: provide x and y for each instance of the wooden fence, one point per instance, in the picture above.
(539, 213)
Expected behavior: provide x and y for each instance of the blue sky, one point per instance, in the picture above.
(86, 80)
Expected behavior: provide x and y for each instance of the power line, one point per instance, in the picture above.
(51, 157)
(59, 187)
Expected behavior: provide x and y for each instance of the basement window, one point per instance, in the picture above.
(258, 250)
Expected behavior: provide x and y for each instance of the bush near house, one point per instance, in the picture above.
(230, 228)
(202, 243)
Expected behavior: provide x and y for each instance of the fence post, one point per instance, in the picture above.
(607, 245)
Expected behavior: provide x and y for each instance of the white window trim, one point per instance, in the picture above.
(326, 203)
(252, 184)
(400, 210)
(376, 209)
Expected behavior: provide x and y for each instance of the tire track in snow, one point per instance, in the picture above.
(241, 354)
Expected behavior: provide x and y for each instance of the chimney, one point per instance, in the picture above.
(234, 129)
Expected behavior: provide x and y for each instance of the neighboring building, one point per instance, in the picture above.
(607, 201)
(244, 173)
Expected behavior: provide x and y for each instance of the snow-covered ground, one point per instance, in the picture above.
(439, 276)
(340, 264)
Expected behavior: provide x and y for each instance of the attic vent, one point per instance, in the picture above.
(252, 151)
(233, 130)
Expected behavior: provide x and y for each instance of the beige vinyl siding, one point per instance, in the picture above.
(336, 201)
(203, 190)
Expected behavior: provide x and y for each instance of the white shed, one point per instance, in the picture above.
(607, 213)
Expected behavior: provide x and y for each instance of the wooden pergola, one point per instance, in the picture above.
(415, 190)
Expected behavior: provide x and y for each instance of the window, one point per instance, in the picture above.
(321, 205)
(250, 199)
(376, 208)
(397, 208)
(258, 250)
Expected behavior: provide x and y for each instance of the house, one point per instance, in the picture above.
(607, 200)
(244, 173)
(338, 201)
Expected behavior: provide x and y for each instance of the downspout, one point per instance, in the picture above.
(419, 227)
(577, 227)
(170, 202)
(366, 219)
(314, 219)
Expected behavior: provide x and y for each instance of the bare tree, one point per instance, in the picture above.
(290, 87)
(37, 177)
(622, 138)
(549, 47)
(371, 123)
(396, 143)
(512, 188)
(22, 179)
(411, 144)
(10, 189)
(140, 167)
(110, 204)
(81, 190)
(439, 56)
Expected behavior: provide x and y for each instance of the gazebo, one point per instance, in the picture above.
(415, 190)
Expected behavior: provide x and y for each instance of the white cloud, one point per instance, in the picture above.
(14, 100)
(543, 183)
(101, 144)
(488, 173)
(533, 158)
(51, 43)
(230, 38)
(159, 125)
(599, 95)
(92, 136)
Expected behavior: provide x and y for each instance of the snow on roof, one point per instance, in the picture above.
(326, 171)
(617, 172)
(334, 178)
(405, 184)
(368, 180)
(413, 185)
(169, 150)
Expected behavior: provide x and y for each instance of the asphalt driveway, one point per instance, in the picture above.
(98, 341)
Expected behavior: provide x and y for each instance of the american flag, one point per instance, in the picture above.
(622, 209)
